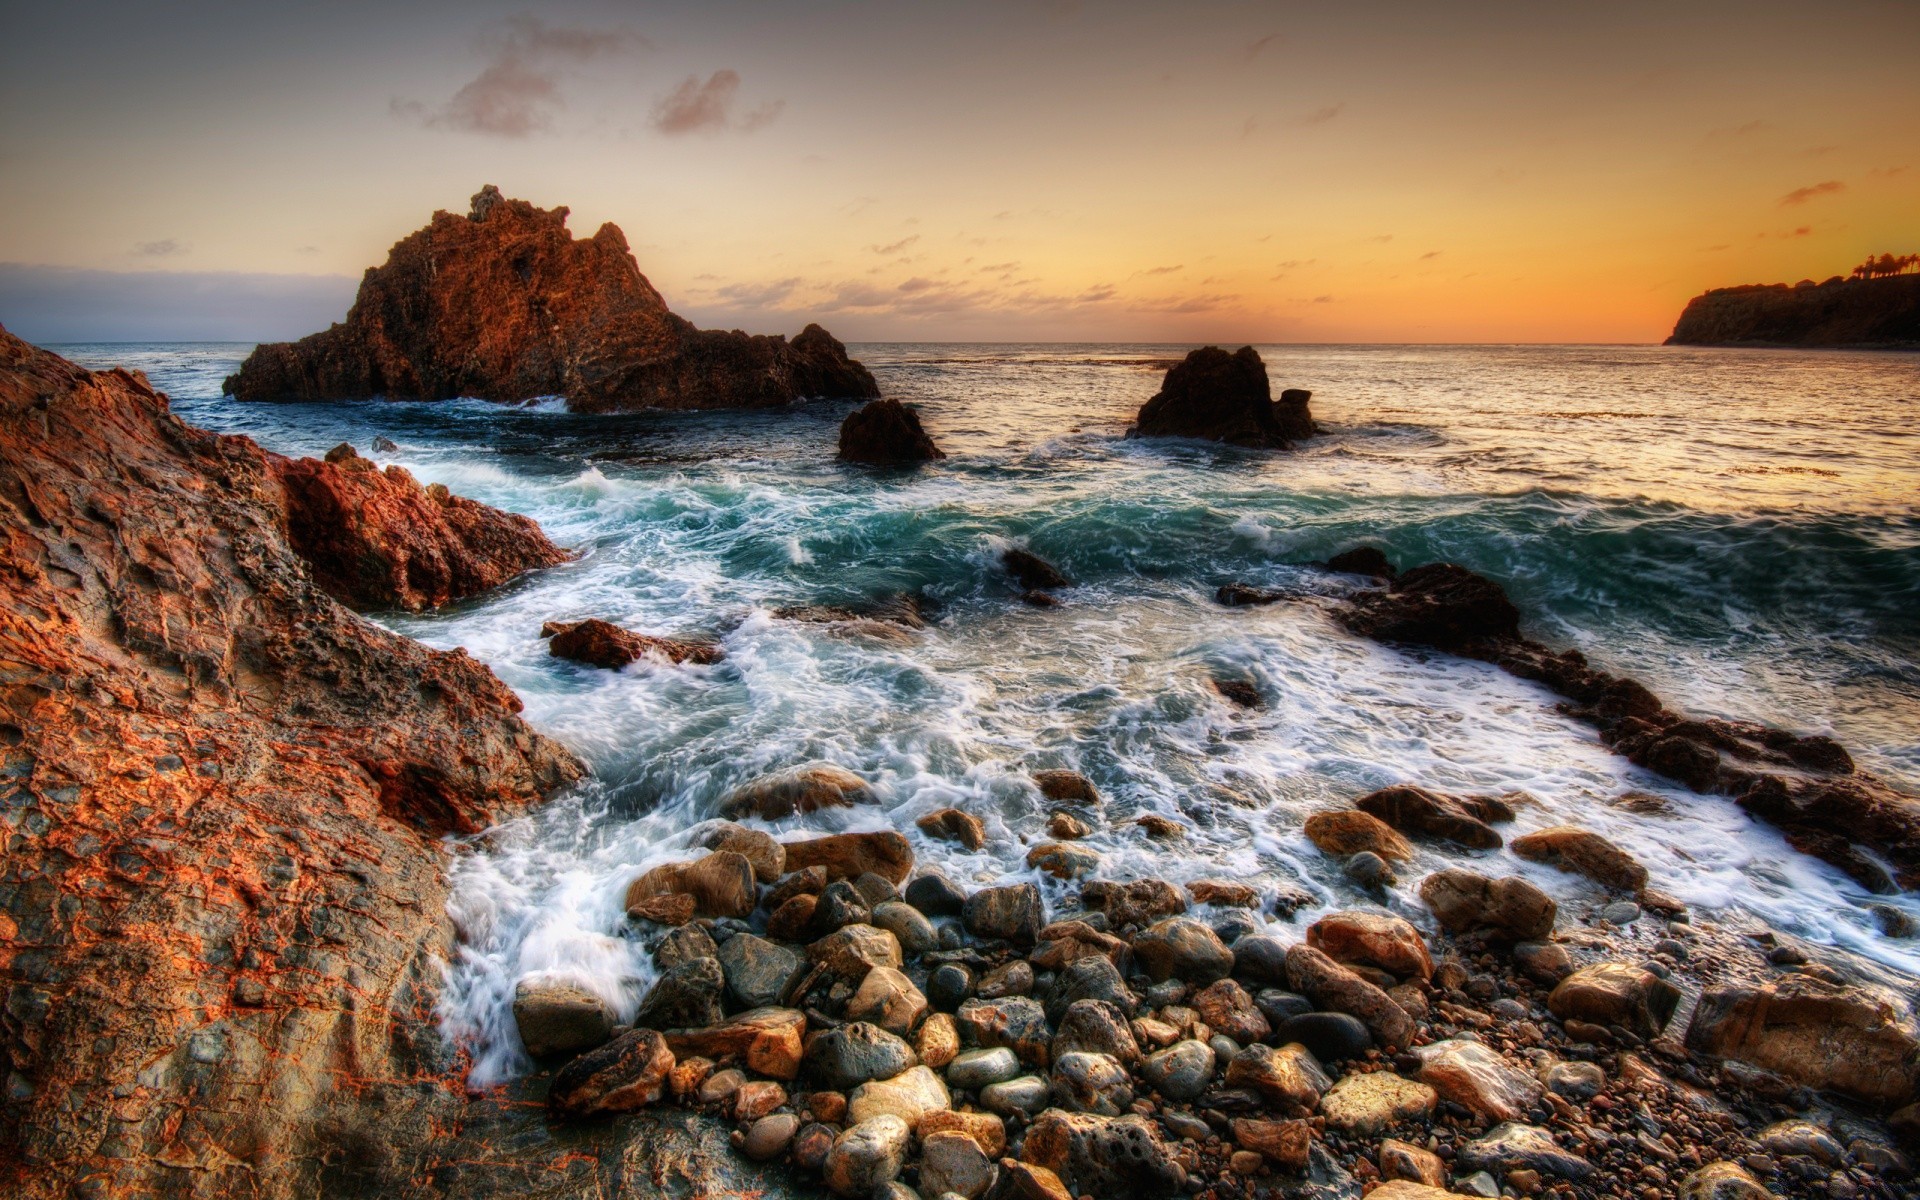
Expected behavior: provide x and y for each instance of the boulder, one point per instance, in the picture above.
(684, 997)
(721, 884)
(1375, 939)
(1088, 1082)
(1408, 1189)
(1363, 560)
(1095, 1027)
(1260, 961)
(1289, 1078)
(936, 895)
(938, 1041)
(1510, 907)
(910, 1095)
(1417, 811)
(1441, 605)
(1583, 852)
(758, 972)
(1137, 902)
(767, 1041)
(1184, 949)
(757, 846)
(888, 999)
(1226, 1007)
(1063, 860)
(1223, 894)
(1033, 573)
(848, 954)
(851, 855)
(1016, 1022)
(1414, 1164)
(1332, 986)
(1349, 831)
(1117, 1157)
(867, 1157)
(555, 1017)
(684, 945)
(803, 789)
(953, 825)
(1013, 913)
(1330, 1036)
(1475, 1077)
(1369, 1105)
(1224, 397)
(1815, 1033)
(905, 922)
(602, 644)
(627, 1073)
(885, 433)
(1066, 787)
(1616, 994)
(503, 303)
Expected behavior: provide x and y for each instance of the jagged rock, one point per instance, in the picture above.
(758, 972)
(627, 1073)
(1092, 1083)
(1439, 605)
(1375, 939)
(952, 1163)
(1184, 949)
(1289, 1077)
(1368, 1105)
(1030, 1181)
(1332, 986)
(802, 789)
(767, 1041)
(505, 304)
(1474, 1076)
(867, 1157)
(721, 883)
(1225, 398)
(756, 1099)
(1095, 1027)
(1414, 1164)
(1136, 902)
(1226, 1006)
(216, 774)
(1063, 861)
(1815, 1033)
(557, 1017)
(602, 644)
(809, 882)
(768, 858)
(953, 825)
(1016, 1022)
(1103, 1156)
(684, 997)
(910, 1095)
(684, 945)
(1014, 978)
(1035, 574)
(1013, 913)
(938, 1041)
(1066, 787)
(851, 855)
(1511, 907)
(793, 920)
(1350, 831)
(1616, 994)
(1513, 1146)
(856, 1053)
(848, 954)
(1222, 894)
(1417, 811)
(1585, 853)
(885, 433)
(985, 1128)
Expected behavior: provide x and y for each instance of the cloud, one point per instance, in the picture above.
(1384, 237)
(1185, 304)
(1802, 231)
(1323, 114)
(1430, 254)
(696, 107)
(758, 295)
(1255, 47)
(1738, 131)
(1162, 270)
(1813, 191)
(164, 248)
(518, 92)
(896, 247)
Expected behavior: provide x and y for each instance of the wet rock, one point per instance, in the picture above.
(888, 999)
(1013, 913)
(769, 1137)
(1289, 1078)
(1103, 1156)
(850, 855)
(1008, 979)
(1223, 894)
(949, 986)
(1226, 1006)
(1722, 1181)
(1184, 949)
(793, 920)
(602, 644)
(812, 1145)
(1621, 912)
(758, 972)
(1024, 1097)
(1067, 827)
(555, 1017)
(1091, 978)
(839, 905)
(768, 857)
(1616, 994)
(1583, 852)
(953, 1164)
(803, 789)
(810, 882)
(673, 910)
(973, 1070)
(684, 997)
(1575, 1081)
(987, 1129)
(848, 954)
(1375, 939)
(1240, 692)
(1801, 1137)
(867, 1157)
(1403, 1160)
(1095, 1083)
(1064, 943)
(1370, 871)
(938, 1041)
(1544, 962)
(1513, 1146)
(915, 933)
(1280, 1006)
(1034, 574)
(885, 433)
(1260, 961)
(909, 1095)
(1369, 1105)
(1066, 787)
(855, 1054)
(936, 895)
(627, 1073)
(1815, 1033)
(1182, 1071)
(1440, 605)
(1417, 811)
(1095, 1027)
(1283, 1142)
(1063, 860)
(1334, 987)
(1029, 1181)
(1511, 907)
(767, 1041)
(1350, 831)
(1362, 560)
(1224, 397)
(953, 825)
(1016, 1022)
(721, 883)
(1136, 902)
(1407, 1189)
(1475, 1077)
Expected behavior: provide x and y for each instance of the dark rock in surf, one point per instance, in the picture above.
(1440, 605)
(1031, 571)
(603, 644)
(1225, 397)
(1362, 560)
(885, 433)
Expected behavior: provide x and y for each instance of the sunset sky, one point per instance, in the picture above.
(1015, 171)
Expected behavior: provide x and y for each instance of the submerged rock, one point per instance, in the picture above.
(1035, 574)
(504, 304)
(1225, 397)
(954, 825)
(885, 433)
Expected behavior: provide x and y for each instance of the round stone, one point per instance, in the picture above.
(1331, 1037)
(973, 1070)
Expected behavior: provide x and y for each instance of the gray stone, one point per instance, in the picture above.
(936, 895)
(904, 921)
(1008, 979)
(1025, 1096)
(1369, 870)
(1575, 1080)
(973, 1070)
(1097, 1027)
(857, 1053)
(758, 972)
(1512, 1146)
(952, 1163)
(556, 1017)
(1108, 1157)
(1182, 948)
(1621, 912)
(769, 1137)
(867, 1157)
(1017, 1022)
(684, 997)
(840, 905)
(1094, 1083)
(1013, 913)
(1277, 1005)
(1182, 1071)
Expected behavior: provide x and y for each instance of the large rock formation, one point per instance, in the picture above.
(1225, 398)
(1875, 313)
(222, 911)
(505, 304)
(885, 433)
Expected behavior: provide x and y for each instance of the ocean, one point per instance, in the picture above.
(1737, 529)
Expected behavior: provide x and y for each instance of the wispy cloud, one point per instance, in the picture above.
(1430, 254)
(518, 92)
(896, 247)
(1257, 45)
(1811, 192)
(1163, 270)
(697, 107)
(164, 248)
(1323, 114)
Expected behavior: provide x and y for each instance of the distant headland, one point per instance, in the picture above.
(1877, 306)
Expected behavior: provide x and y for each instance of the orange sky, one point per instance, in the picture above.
(1265, 172)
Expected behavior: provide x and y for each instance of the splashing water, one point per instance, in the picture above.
(1735, 528)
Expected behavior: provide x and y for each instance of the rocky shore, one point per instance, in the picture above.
(1863, 313)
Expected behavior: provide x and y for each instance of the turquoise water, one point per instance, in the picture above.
(1736, 528)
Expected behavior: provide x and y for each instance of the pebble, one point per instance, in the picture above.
(769, 1137)
(977, 1069)
(1025, 1096)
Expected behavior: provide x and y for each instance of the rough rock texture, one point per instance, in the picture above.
(885, 433)
(221, 903)
(603, 644)
(1225, 398)
(1841, 312)
(504, 304)
(1817, 1033)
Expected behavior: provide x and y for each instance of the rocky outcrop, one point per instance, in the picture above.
(504, 303)
(603, 644)
(222, 913)
(885, 433)
(376, 539)
(1225, 397)
(1868, 313)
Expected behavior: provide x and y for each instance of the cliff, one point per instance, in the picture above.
(505, 304)
(1866, 313)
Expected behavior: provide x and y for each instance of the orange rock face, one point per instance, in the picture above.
(505, 304)
(222, 910)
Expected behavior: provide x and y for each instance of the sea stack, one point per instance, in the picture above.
(885, 433)
(505, 304)
(1225, 397)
